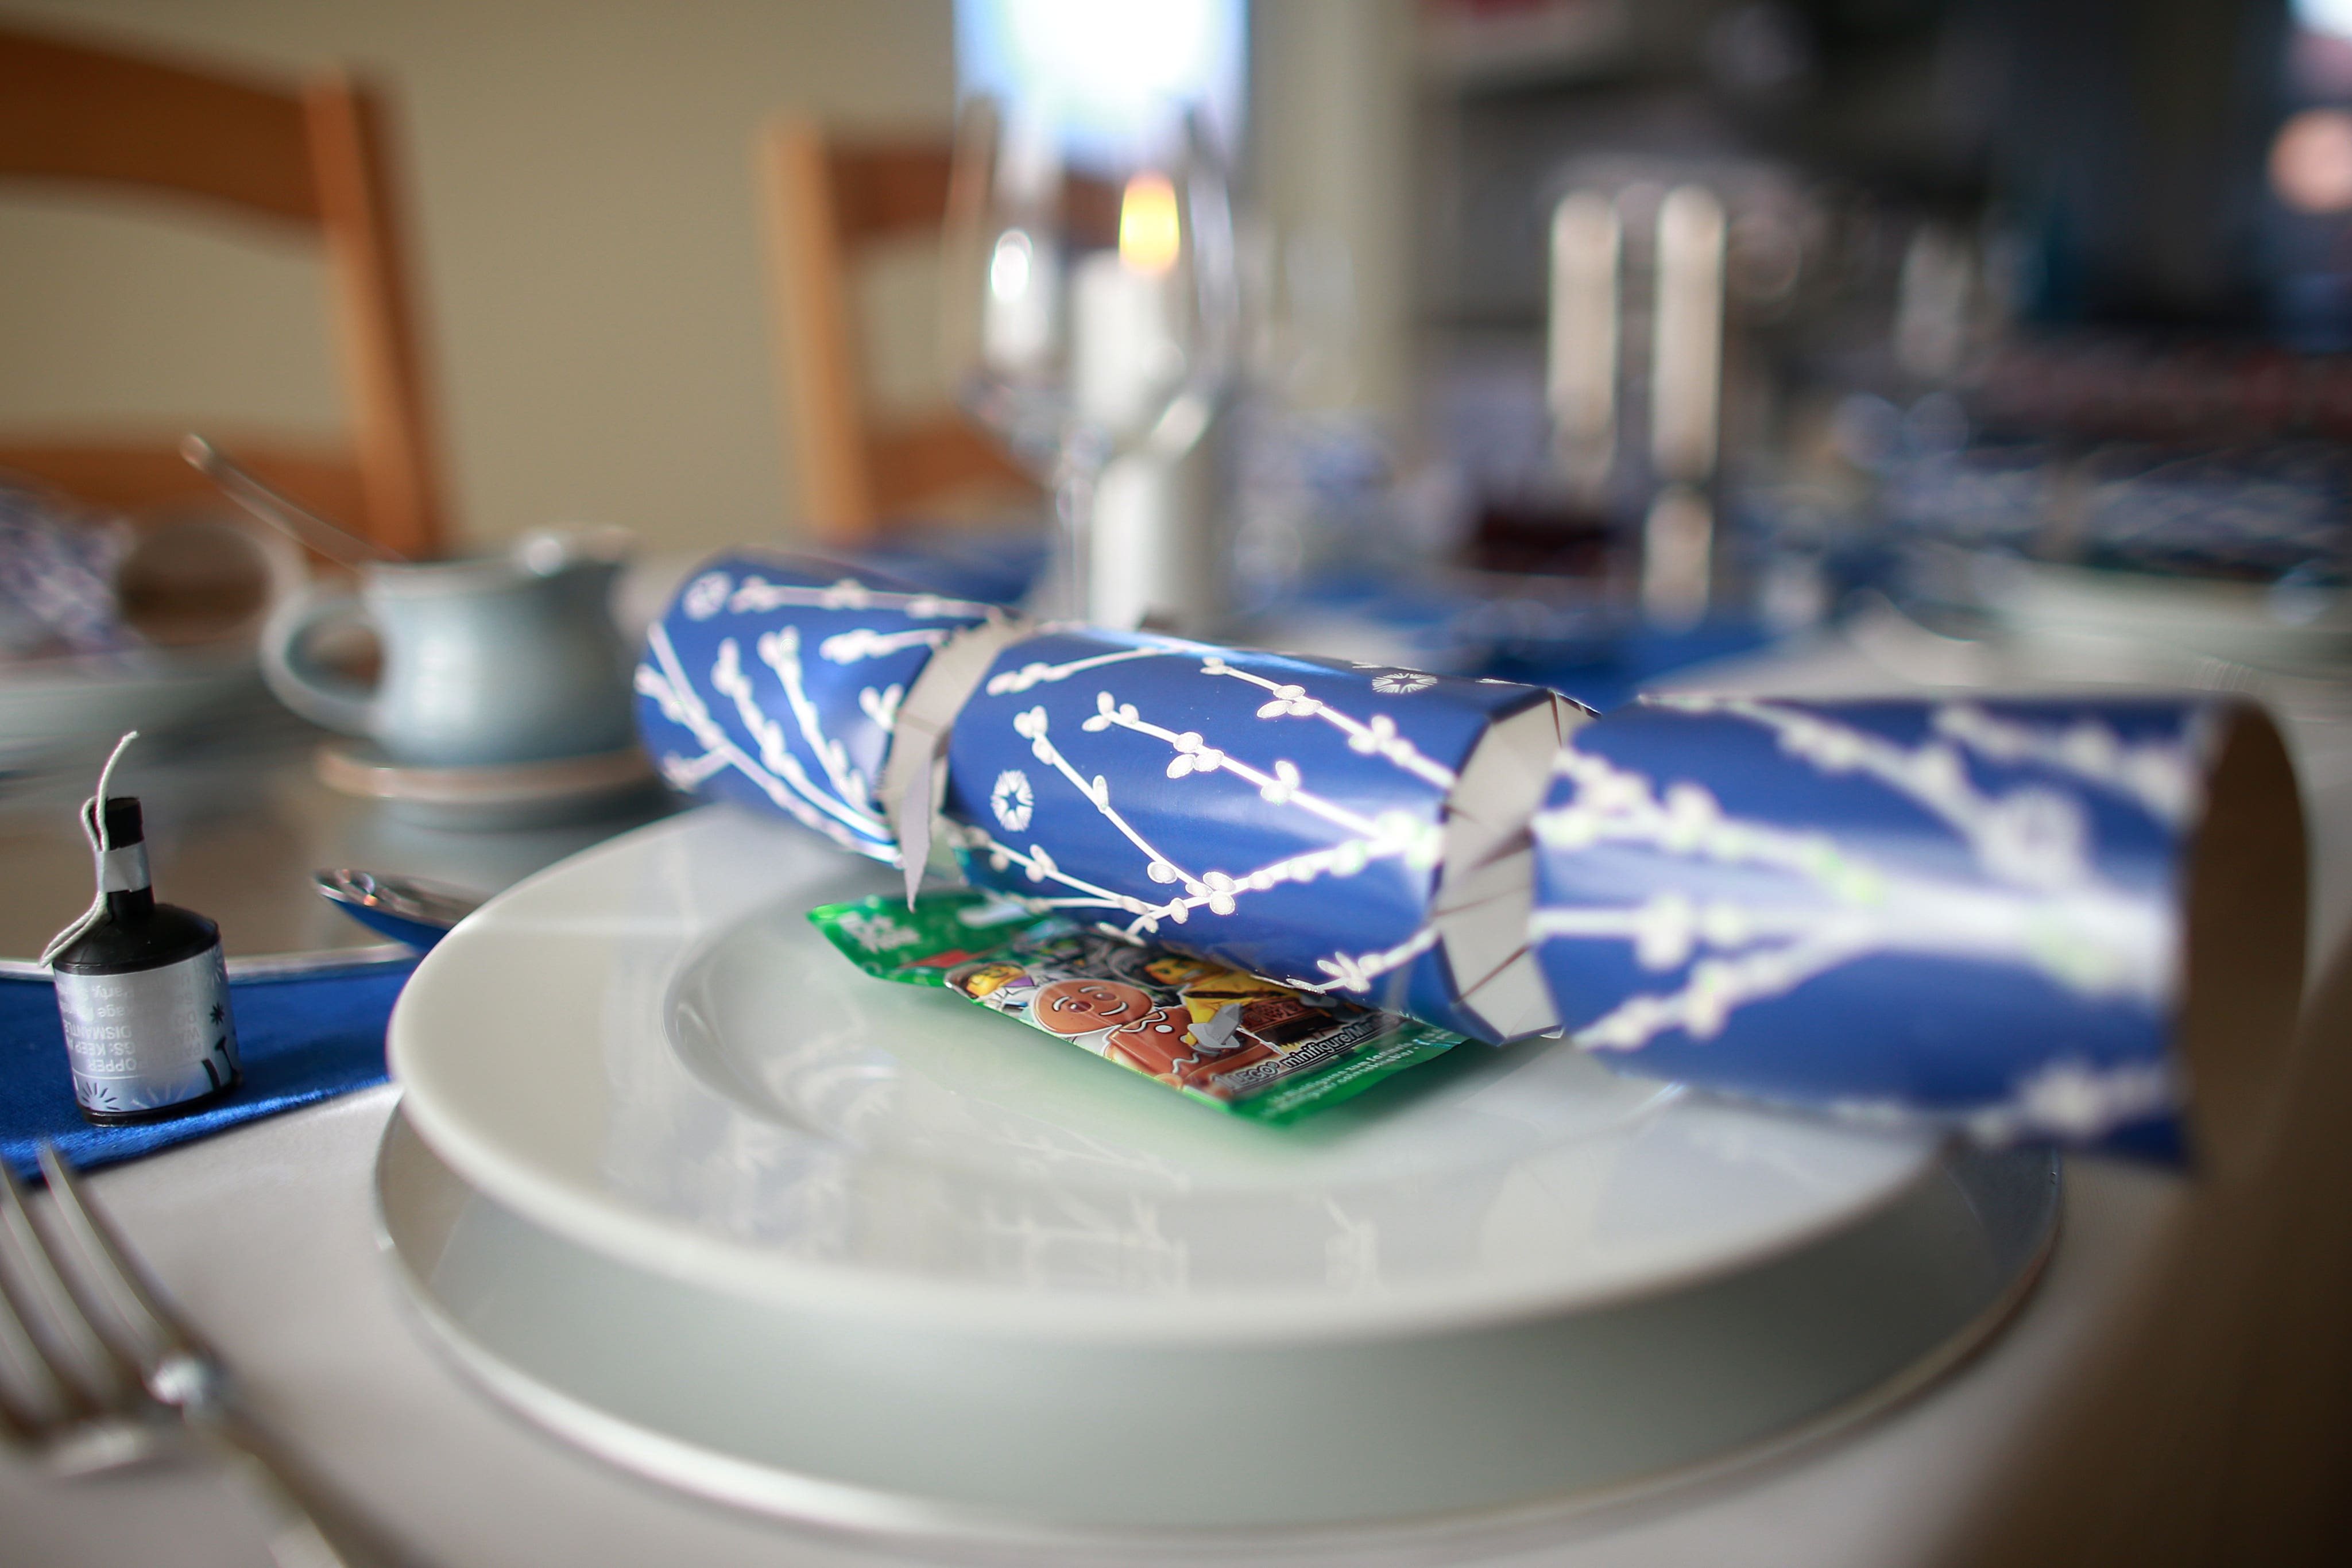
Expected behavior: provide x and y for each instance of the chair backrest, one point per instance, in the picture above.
(825, 201)
(312, 154)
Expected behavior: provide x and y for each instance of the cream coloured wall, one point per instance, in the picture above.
(583, 223)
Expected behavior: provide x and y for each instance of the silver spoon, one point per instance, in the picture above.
(281, 511)
(407, 909)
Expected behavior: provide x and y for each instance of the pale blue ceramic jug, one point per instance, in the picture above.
(502, 659)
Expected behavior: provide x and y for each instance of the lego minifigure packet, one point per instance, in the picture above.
(1244, 1044)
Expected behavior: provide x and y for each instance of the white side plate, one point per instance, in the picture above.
(1443, 1438)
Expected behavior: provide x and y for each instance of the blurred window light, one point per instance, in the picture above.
(1112, 75)
(2319, 51)
(2311, 161)
(2325, 16)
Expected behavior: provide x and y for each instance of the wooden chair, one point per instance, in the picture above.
(825, 201)
(311, 153)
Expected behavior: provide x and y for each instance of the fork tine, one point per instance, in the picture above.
(79, 1366)
(20, 1423)
(182, 1379)
(108, 1270)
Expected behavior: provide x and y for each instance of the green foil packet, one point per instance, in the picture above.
(1237, 1041)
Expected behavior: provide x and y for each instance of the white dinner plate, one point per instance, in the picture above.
(646, 1050)
(1444, 1440)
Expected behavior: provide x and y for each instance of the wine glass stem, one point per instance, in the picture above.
(1073, 507)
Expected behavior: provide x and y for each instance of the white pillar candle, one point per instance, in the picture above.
(1120, 351)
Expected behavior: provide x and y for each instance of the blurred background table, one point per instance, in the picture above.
(236, 821)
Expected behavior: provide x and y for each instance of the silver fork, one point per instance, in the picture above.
(96, 1373)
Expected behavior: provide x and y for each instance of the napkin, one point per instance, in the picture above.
(57, 577)
(301, 1036)
(2027, 919)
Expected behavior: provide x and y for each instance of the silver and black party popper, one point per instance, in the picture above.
(142, 986)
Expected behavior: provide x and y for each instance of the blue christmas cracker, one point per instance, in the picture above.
(1969, 913)
(775, 681)
(1283, 815)
(1963, 911)
(1279, 814)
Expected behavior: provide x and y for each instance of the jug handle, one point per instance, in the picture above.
(300, 681)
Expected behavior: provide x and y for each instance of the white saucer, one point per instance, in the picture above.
(50, 708)
(511, 795)
(648, 1051)
(2081, 612)
(834, 1419)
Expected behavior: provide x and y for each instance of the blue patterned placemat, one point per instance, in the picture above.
(303, 1038)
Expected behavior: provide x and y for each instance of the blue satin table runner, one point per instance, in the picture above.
(303, 1038)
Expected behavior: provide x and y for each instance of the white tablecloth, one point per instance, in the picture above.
(2177, 1389)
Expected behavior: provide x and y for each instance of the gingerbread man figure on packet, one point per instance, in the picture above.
(1122, 1021)
(1117, 1020)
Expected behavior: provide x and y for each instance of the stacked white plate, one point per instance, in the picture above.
(682, 1185)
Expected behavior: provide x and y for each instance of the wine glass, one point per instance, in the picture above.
(1087, 315)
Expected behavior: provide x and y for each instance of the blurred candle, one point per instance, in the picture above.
(1677, 558)
(1931, 303)
(1134, 519)
(1119, 304)
(1580, 383)
(1123, 365)
(1687, 347)
(1148, 236)
(1686, 377)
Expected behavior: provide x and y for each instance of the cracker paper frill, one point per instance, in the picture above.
(2030, 919)
(1283, 815)
(775, 683)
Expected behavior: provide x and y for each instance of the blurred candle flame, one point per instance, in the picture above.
(1148, 236)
